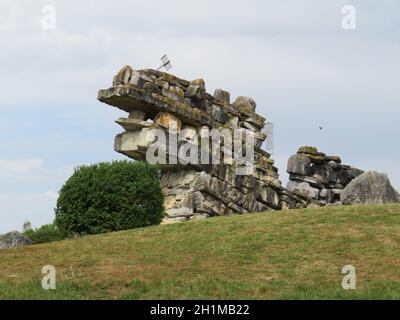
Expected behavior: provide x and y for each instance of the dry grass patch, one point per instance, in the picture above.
(294, 254)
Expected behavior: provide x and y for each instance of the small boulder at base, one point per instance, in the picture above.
(369, 188)
(14, 239)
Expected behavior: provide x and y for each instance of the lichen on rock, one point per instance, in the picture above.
(154, 100)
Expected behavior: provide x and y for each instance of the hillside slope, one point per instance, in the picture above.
(294, 254)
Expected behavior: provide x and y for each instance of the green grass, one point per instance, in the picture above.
(295, 254)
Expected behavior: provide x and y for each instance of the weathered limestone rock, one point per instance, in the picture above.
(165, 120)
(180, 212)
(369, 188)
(173, 92)
(292, 200)
(198, 82)
(304, 188)
(196, 90)
(137, 115)
(222, 95)
(219, 114)
(299, 165)
(155, 100)
(194, 187)
(13, 239)
(308, 150)
(123, 76)
(319, 177)
(138, 79)
(245, 104)
(328, 195)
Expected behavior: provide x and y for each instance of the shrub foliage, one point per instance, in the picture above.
(44, 234)
(108, 197)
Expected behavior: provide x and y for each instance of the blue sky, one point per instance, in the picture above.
(293, 57)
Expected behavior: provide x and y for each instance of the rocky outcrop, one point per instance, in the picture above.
(319, 177)
(13, 239)
(158, 100)
(184, 111)
(370, 188)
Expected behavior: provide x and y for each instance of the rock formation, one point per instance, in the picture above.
(13, 239)
(319, 177)
(157, 100)
(183, 111)
(370, 188)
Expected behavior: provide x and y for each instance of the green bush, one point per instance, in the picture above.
(108, 197)
(46, 233)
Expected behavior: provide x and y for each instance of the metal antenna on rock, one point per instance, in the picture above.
(166, 63)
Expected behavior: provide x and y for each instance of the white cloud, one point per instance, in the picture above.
(286, 46)
(16, 208)
(20, 166)
(21, 175)
(25, 193)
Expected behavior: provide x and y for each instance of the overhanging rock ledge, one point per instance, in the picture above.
(155, 100)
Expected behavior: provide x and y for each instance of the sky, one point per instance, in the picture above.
(293, 57)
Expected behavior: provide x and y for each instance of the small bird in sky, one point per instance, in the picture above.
(320, 128)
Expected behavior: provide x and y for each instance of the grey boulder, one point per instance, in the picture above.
(369, 188)
(14, 239)
(299, 165)
(222, 95)
(303, 188)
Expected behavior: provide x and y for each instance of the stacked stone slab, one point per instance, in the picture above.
(295, 200)
(319, 177)
(155, 99)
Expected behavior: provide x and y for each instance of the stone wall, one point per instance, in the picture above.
(319, 177)
(155, 99)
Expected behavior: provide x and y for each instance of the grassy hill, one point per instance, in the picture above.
(295, 254)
